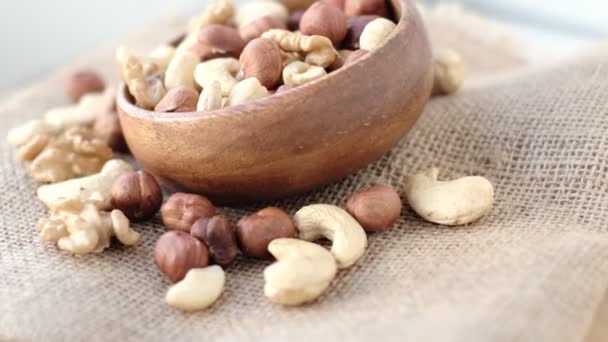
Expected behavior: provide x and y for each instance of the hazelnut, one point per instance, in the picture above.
(355, 28)
(355, 8)
(107, 128)
(84, 82)
(293, 22)
(262, 59)
(376, 208)
(324, 19)
(176, 253)
(215, 41)
(178, 99)
(337, 3)
(260, 25)
(137, 195)
(256, 231)
(355, 56)
(219, 236)
(181, 210)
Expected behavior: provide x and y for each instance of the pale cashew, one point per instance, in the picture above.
(247, 90)
(297, 73)
(375, 33)
(180, 71)
(455, 202)
(302, 273)
(122, 230)
(335, 224)
(211, 97)
(160, 57)
(95, 187)
(198, 290)
(21, 135)
(319, 50)
(147, 91)
(250, 11)
(223, 70)
(83, 113)
(219, 12)
(448, 69)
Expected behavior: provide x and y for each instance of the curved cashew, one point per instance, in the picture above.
(375, 33)
(80, 114)
(319, 50)
(448, 68)
(160, 57)
(223, 70)
(250, 11)
(218, 12)
(180, 71)
(120, 225)
(455, 202)
(23, 134)
(335, 224)
(198, 290)
(211, 97)
(302, 273)
(147, 91)
(95, 187)
(297, 73)
(247, 90)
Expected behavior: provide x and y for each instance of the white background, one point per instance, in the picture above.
(38, 35)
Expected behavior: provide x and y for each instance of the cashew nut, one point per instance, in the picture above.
(455, 202)
(180, 71)
(122, 230)
(211, 97)
(302, 273)
(247, 90)
(83, 113)
(198, 290)
(218, 12)
(160, 57)
(223, 70)
(319, 50)
(335, 224)
(147, 91)
(448, 68)
(297, 73)
(95, 187)
(375, 33)
(250, 11)
(21, 135)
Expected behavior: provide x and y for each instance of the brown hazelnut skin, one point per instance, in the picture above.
(325, 20)
(137, 195)
(262, 59)
(355, 28)
(353, 57)
(107, 128)
(176, 253)
(181, 211)
(337, 3)
(219, 236)
(355, 8)
(84, 82)
(215, 41)
(255, 232)
(260, 25)
(376, 208)
(293, 22)
(178, 99)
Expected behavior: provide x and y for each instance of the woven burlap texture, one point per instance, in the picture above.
(534, 269)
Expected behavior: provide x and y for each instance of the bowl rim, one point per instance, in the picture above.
(124, 102)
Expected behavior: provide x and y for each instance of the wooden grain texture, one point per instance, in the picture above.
(297, 140)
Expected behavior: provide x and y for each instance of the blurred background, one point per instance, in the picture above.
(40, 35)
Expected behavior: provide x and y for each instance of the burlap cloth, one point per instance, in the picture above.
(534, 269)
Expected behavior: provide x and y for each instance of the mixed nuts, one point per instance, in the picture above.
(229, 56)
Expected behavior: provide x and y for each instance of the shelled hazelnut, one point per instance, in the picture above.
(177, 252)
(218, 234)
(256, 231)
(215, 41)
(84, 82)
(376, 208)
(181, 211)
(324, 19)
(137, 195)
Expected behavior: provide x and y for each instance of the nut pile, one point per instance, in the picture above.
(233, 55)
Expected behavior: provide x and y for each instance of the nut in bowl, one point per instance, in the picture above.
(292, 141)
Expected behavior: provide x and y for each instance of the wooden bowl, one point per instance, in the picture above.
(297, 140)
